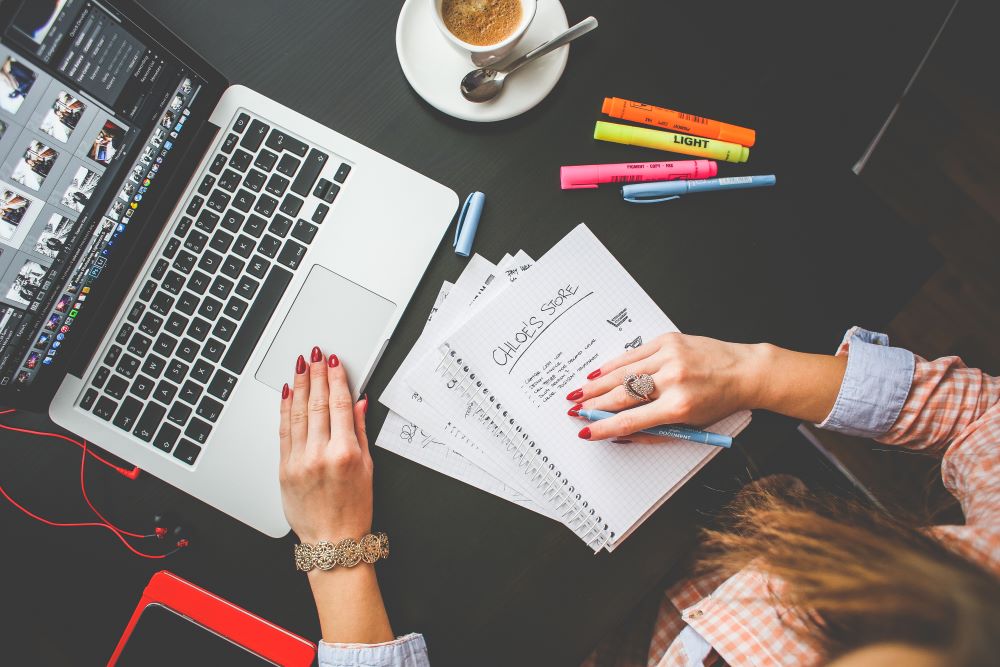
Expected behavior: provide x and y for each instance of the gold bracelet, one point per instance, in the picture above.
(345, 553)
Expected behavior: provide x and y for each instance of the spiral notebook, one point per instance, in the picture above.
(502, 378)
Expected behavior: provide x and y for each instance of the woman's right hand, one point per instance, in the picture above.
(698, 381)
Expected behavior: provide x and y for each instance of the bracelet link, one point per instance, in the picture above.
(348, 552)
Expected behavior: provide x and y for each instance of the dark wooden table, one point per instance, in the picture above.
(797, 264)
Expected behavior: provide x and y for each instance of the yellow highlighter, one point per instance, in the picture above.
(670, 141)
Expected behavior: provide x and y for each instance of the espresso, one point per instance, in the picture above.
(481, 22)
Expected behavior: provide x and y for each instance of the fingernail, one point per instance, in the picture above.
(596, 374)
(575, 395)
(621, 442)
(284, 392)
(364, 410)
(317, 354)
(300, 365)
(334, 361)
(585, 433)
(575, 410)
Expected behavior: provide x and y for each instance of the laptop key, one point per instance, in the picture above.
(221, 287)
(213, 350)
(222, 385)
(166, 438)
(184, 261)
(199, 282)
(320, 213)
(255, 226)
(288, 165)
(253, 326)
(111, 358)
(304, 231)
(257, 267)
(235, 308)
(233, 267)
(209, 409)
(149, 421)
(127, 366)
(194, 205)
(154, 365)
(291, 205)
(232, 221)
(183, 226)
(276, 185)
(199, 329)
(241, 123)
(187, 452)
(147, 291)
(116, 387)
(165, 345)
(101, 376)
(331, 194)
(176, 324)
(210, 308)
(187, 302)
(292, 254)
(187, 350)
(244, 248)
(206, 186)
(218, 201)
(179, 413)
(127, 413)
(173, 282)
(254, 136)
(161, 267)
(142, 386)
(254, 180)
(244, 200)
(221, 241)
(230, 143)
(280, 226)
(217, 164)
(171, 249)
(342, 172)
(139, 345)
(230, 180)
(224, 329)
(88, 399)
(247, 287)
(265, 160)
(124, 333)
(198, 430)
(309, 172)
(165, 392)
(266, 206)
(190, 392)
(161, 303)
(207, 221)
(210, 262)
(105, 408)
(196, 242)
(176, 371)
(240, 160)
(279, 141)
(202, 371)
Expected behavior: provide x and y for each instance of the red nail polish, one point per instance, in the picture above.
(575, 395)
(284, 392)
(334, 361)
(300, 365)
(317, 354)
(575, 410)
(364, 410)
(596, 374)
(585, 433)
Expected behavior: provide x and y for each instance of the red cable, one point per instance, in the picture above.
(118, 532)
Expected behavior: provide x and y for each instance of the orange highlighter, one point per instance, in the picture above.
(675, 121)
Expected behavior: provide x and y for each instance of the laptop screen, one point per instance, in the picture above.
(90, 109)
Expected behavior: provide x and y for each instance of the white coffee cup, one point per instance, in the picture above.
(485, 55)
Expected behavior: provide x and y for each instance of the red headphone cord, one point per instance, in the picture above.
(120, 533)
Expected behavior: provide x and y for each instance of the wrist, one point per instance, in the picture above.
(757, 375)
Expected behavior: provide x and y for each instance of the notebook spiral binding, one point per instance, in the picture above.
(575, 511)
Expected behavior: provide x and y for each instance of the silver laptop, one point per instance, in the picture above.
(177, 241)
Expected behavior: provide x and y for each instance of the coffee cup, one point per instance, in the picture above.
(485, 55)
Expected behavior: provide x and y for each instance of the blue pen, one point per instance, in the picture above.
(669, 431)
(652, 193)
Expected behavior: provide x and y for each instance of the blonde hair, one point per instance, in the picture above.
(854, 576)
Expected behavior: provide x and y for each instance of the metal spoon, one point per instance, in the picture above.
(482, 85)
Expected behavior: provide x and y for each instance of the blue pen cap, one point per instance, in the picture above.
(468, 223)
(657, 191)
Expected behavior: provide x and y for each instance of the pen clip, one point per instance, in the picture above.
(639, 200)
(461, 219)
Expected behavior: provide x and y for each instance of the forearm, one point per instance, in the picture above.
(350, 605)
(794, 384)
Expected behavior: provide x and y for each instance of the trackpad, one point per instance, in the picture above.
(340, 316)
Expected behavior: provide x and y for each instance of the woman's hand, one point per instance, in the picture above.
(326, 469)
(698, 381)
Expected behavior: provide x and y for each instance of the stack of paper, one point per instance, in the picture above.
(481, 396)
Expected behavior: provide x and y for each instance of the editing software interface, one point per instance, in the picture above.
(90, 108)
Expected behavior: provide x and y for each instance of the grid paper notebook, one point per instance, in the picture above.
(502, 378)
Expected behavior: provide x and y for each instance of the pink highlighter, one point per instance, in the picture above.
(590, 175)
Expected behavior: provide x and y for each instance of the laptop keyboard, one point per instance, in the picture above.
(190, 330)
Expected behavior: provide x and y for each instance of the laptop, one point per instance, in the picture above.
(169, 243)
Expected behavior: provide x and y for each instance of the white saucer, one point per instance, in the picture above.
(434, 67)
